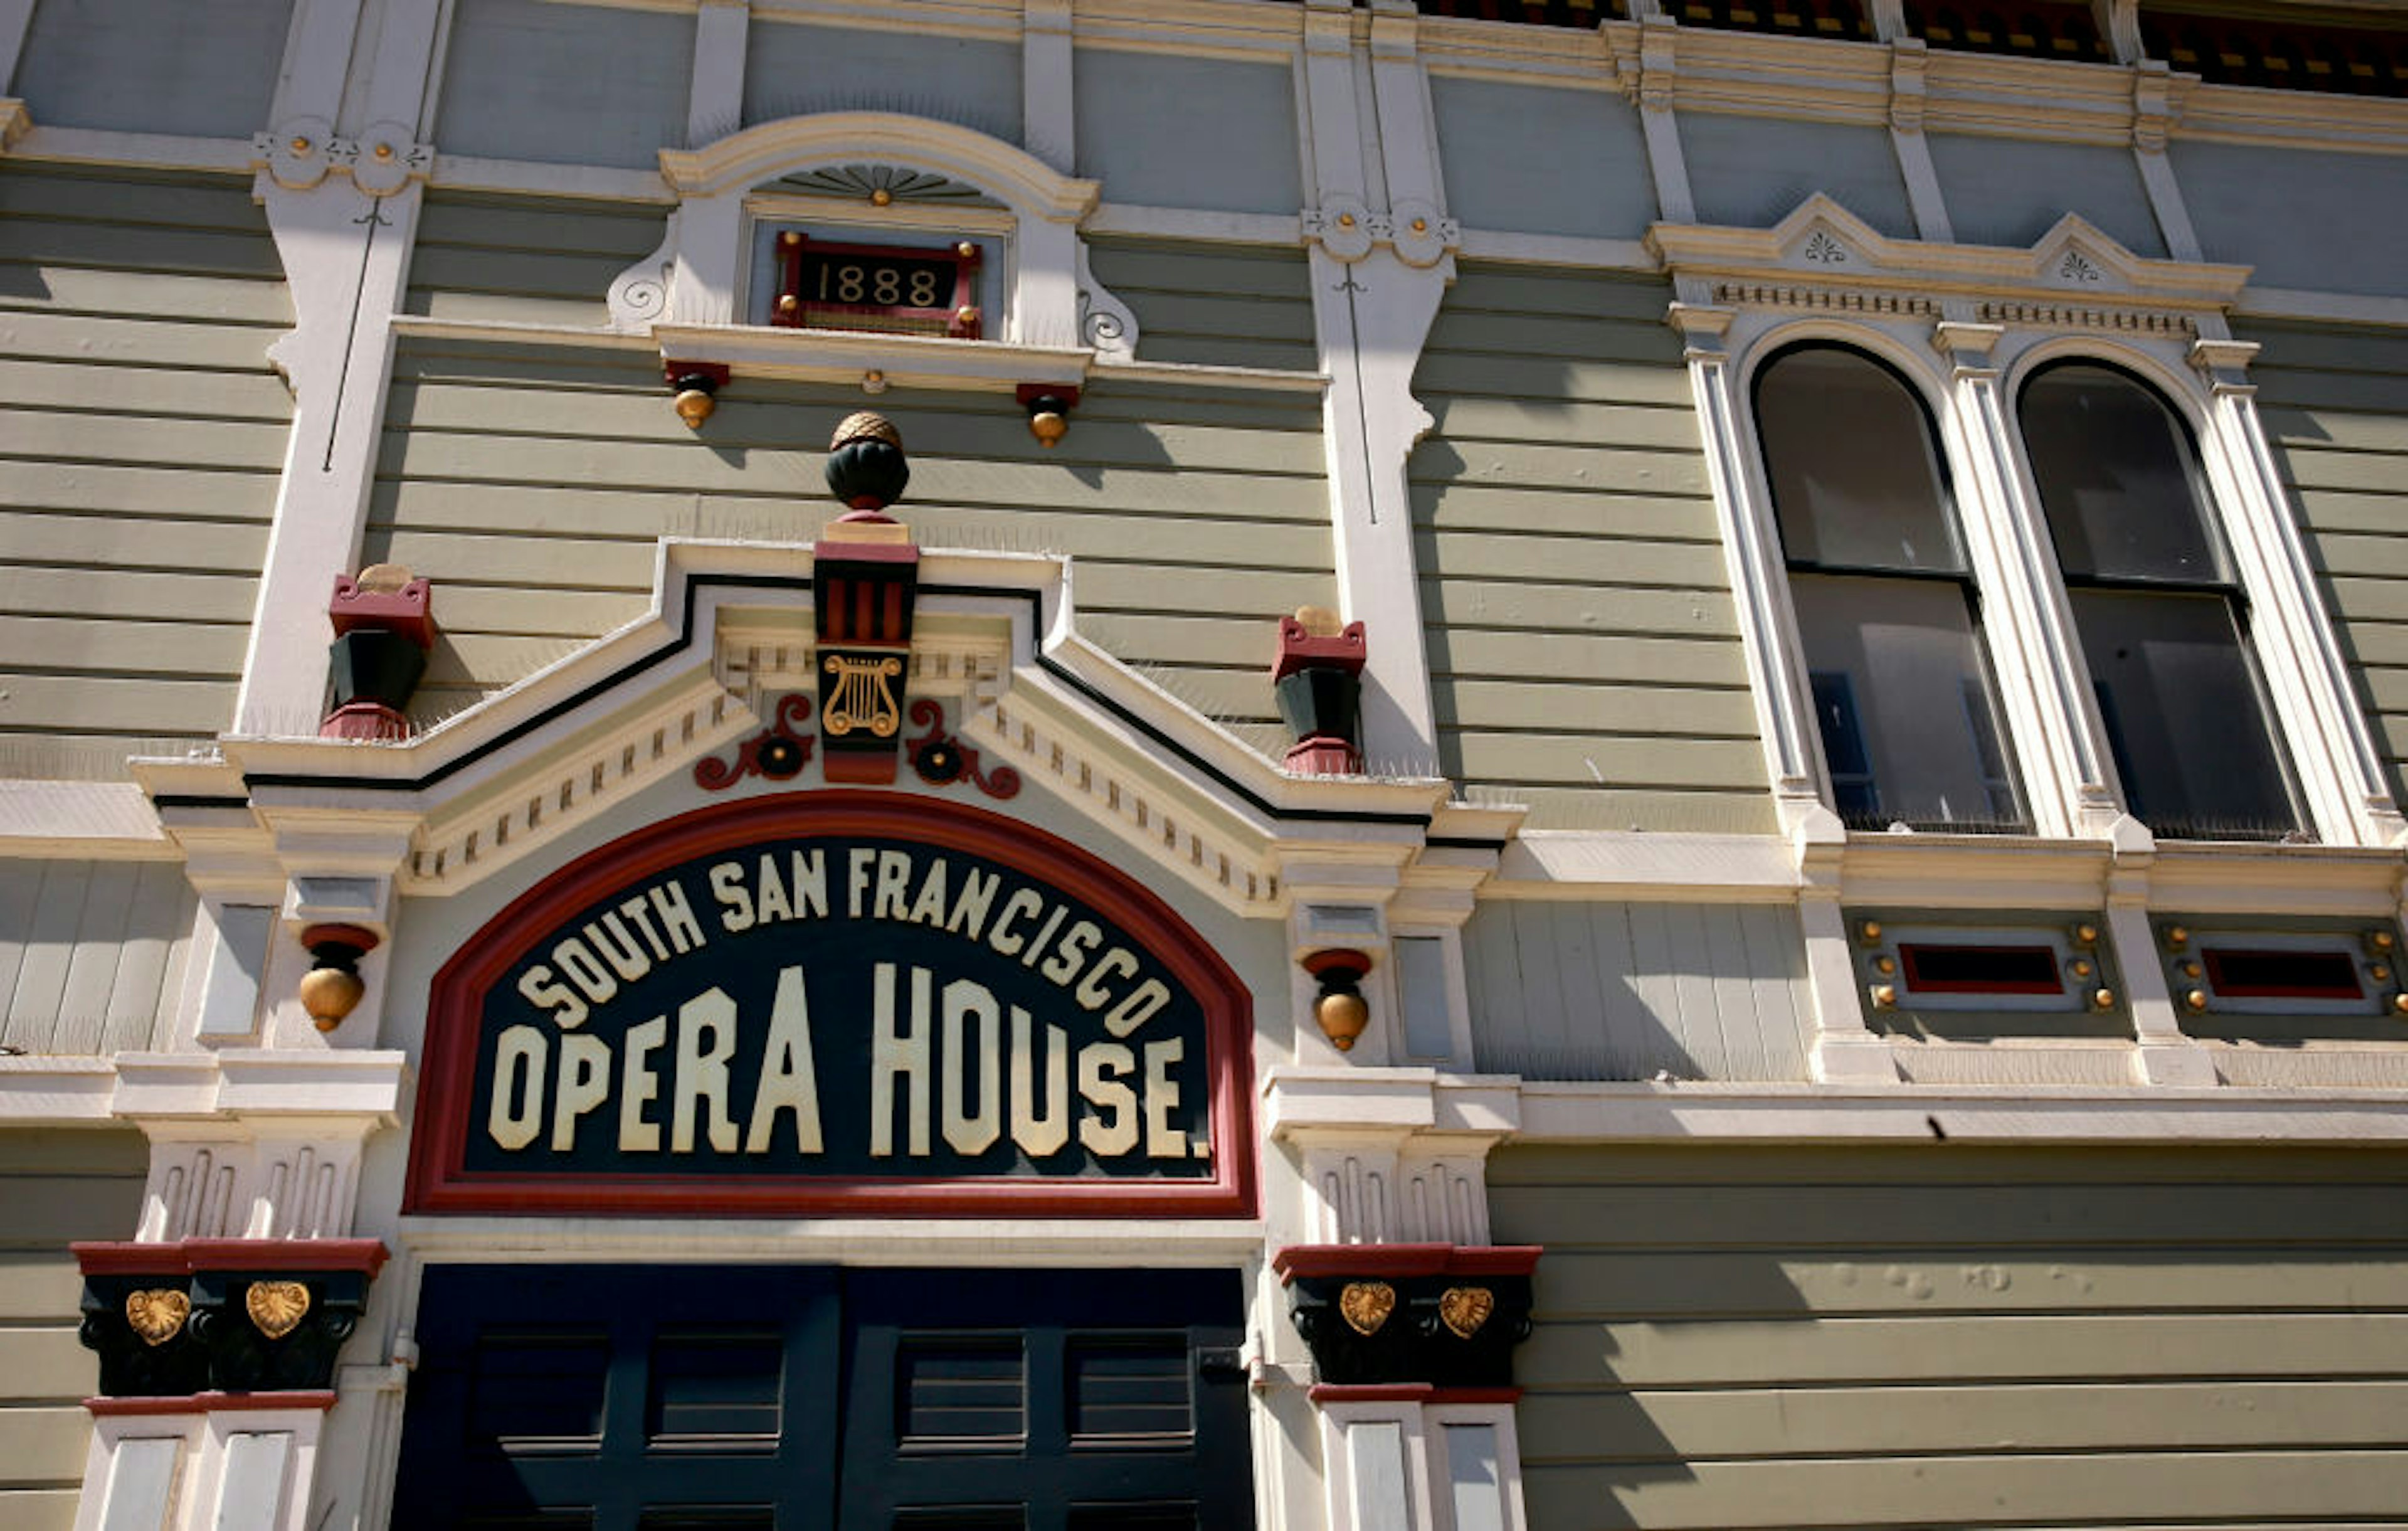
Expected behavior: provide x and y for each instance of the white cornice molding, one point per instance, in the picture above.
(319, 1085)
(1822, 247)
(743, 160)
(840, 357)
(1605, 1113)
(148, 151)
(2365, 125)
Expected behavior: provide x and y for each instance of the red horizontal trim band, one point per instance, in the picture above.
(1476, 1395)
(184, 1256)
(1330, 1393)
(208, 1403)
(1399, 1260)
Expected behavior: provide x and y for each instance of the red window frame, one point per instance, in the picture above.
(1909, 956)
(957, 319)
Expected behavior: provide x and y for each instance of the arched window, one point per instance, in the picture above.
(2161, 618)
(1888, 614)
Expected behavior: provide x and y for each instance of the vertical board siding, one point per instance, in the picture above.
(2335, 406)
(1213, 305)
(526, 261)
(57, 1187)
(1585, 651)
(91, 954)
(1951, 1335)
(1563, 991)
(532, 486)
(141, 437)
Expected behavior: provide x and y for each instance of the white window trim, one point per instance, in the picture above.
(1965, 324)
(693, 282)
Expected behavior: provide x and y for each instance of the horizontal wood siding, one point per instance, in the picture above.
(1627, 991)
(1585, 650)
(1216, 305)
(2336, 406)
(141, 435)
(57, 1187)
(1958, 1336)
(91, 954)
(532, 486)
(524, 260)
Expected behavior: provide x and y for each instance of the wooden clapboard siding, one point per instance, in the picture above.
(1945, 1335)
(1625, 991)
(1218, 305)
(533, 485)
(141, 435)
(523, 260)
(57, 1187)
(1585, 650)
(2336, 406)
(91, 954)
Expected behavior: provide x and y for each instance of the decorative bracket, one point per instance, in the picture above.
(1444, 1315)
(228, 1315)
(301, 152)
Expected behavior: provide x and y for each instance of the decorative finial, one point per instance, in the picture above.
(865, 467)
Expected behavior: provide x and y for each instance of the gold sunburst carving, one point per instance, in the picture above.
(157, 1313)
(1464, 1308)
(277, 1307)
(1366, 1305)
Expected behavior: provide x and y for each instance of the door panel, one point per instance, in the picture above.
(682, 1398)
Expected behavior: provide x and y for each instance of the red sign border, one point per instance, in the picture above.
(439, 1181)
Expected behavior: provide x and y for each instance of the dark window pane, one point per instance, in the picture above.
(715, 1385)
(1133, 1518)
(1855, 483)
(2118, 478)
(1908, 727)
(709, 1518)
(2182, 715)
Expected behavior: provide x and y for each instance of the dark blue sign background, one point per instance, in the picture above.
(559, 1020)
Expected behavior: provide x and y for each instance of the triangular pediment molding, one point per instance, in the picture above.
(730, 632)
(1821, 246)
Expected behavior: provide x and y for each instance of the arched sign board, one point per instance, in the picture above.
(837, 1002)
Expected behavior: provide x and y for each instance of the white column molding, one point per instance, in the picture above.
(252, 1176)
(1908, 93)
(1048, 126)
(1375, 1464)
(1474, 1490)
(2306, 676)
(714, 103)
(1665, 159)
(1752, 555)
(2119, 22)
(361, 1448)
(1378, 277)
(2157, 95)
(1845, 1050)
(1388, 1155)
(2163, 1055)
(2050, 710)
(1888, 19)
(345, 245)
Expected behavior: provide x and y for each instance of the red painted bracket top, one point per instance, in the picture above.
(1298, 648)
(1406, 1260)
(408, 611)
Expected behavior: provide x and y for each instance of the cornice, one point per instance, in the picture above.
(2366, 124)
(2076, 272)
(741, 160)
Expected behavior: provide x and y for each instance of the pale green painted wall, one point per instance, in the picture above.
(56, 1187)
(1945, 1335)
(1584, 653)
(141, 435)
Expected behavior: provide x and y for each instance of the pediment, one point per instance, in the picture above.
(1820, 241)
(682, 698)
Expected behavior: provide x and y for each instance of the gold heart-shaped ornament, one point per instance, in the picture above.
(1465, 1309)
(1366, 1305)
(157, 1313)
(277, 1307)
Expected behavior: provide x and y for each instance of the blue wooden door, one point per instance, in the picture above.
(745, 1398)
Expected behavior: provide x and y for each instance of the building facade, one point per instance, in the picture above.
(1235, 763)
